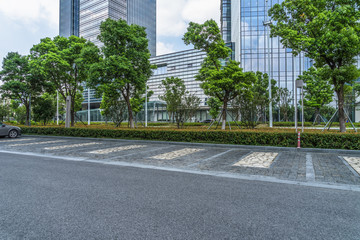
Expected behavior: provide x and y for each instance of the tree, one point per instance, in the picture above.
(327, 32)
(222, 82)
(318, 91)
(179, 102)
(125, 66)
(284, 103)
(19, 81)
(252, 108)
(4, 112)
(215, 106)
(113, 106)
(65, 63)
(44, 108)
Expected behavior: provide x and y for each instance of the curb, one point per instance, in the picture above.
(249, 147)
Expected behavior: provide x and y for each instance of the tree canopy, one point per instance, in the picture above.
(222, 81)
(65, 63)
(125, 66)
(327, 31)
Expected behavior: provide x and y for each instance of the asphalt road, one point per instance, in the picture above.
(43, 198)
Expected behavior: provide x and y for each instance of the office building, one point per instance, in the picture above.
(140, 12)
(243, 25)
(184, 65)
(69, 18)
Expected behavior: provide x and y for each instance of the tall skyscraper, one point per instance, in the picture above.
(69, 18)
(141, 12)
(249, 37)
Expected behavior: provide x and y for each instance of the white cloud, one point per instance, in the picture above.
(31, 12)
(164, 48)
(173, 16)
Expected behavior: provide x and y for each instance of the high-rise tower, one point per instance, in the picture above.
(140, 12)
(69, 18)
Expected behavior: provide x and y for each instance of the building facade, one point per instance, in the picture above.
(69, 22)
(253, 46)
(140, 12)
(184, 65)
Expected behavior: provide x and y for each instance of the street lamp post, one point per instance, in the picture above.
(89, 106)
(57, 107)
(267, 23)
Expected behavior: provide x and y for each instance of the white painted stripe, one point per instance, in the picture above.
(35, 143)
(178, 153)
(17, 140)
(70, 146)
(257, 160)
(354, 163)
(336, 186)
(310, 172)
(117, 149)
(210, 158)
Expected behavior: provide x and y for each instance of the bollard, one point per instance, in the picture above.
(299, 142)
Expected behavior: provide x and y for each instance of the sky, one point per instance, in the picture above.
(25, 22)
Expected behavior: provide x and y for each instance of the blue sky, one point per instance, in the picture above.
(25, 22)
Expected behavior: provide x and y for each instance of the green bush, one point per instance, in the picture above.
(259, 138)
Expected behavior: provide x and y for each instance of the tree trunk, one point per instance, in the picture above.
(223, 127)
(72, 111)
(27, 121)
(341, 100)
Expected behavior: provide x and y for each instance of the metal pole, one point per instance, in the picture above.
(146, 107)
(302, 109)
(30, 111)
(295, 103)
(269, 63)
(89, 115)
(57, 107)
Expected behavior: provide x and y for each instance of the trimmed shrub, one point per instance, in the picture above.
(255, 137)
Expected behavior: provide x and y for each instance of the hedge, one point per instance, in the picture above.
(258, 138)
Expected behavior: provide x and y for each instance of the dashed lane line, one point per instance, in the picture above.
(70, 146)
(116, 149)
(257, 160)
(35, 143)
(177, 154)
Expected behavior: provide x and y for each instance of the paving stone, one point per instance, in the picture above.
(354, 163)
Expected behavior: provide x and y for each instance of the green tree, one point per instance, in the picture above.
(125, 66)
(44, 108)
(113, 106)
(65, 63)
(252, 108)
(327, 32)
(284, 103)
(215, 105)
(4, 112)
(318, 91)
(19, 81)
(222, 82)
(179, 102)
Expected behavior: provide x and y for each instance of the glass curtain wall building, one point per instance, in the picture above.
(69, 18)
(184, 65)
(143, 13)
(249, 36)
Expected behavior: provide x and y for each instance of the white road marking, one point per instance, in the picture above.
(35, 143)
(210, 158)
(117, 149)
(70, 146)
(310, 172)
(257, 160)
(178, 153)
(18, 140)
(354, 163)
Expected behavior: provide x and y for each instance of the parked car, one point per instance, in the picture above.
(206, 121)
(10, 131)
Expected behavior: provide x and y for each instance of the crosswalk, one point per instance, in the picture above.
(116, 149)
(257, 160)
(354, 163)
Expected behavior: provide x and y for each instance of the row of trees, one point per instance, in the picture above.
(118, 70)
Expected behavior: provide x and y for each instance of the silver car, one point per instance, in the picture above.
(10, 131)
